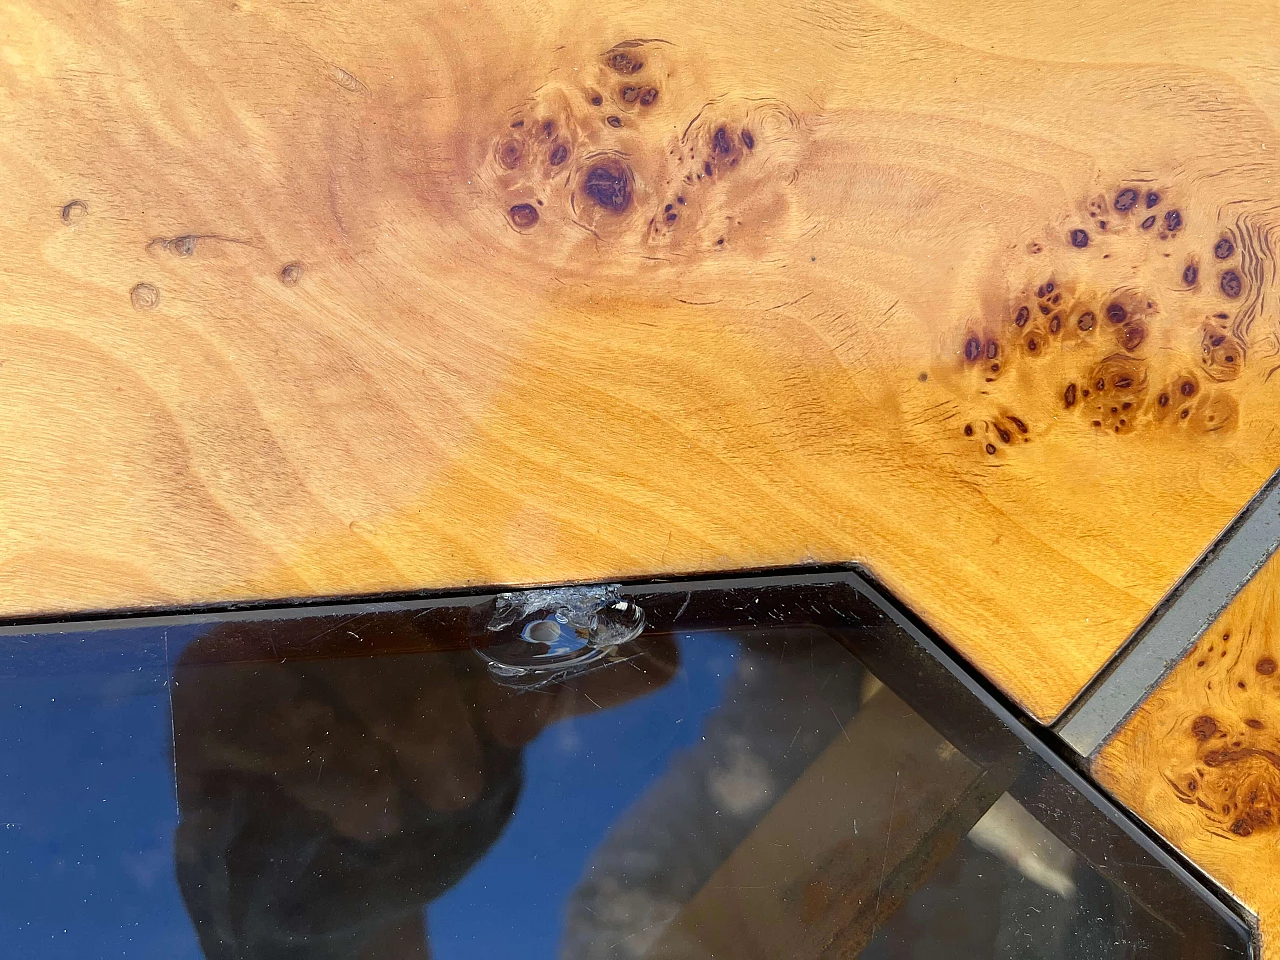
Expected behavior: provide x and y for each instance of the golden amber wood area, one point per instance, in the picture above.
(316, 299)
(1200, 759)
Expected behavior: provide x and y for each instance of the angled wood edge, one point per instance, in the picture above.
(1199, 760)
(1176, 624)
(336, 301)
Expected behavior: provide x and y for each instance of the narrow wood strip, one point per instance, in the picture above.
(1200, 759)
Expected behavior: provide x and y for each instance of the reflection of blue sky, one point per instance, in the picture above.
(580, 776)
(87, 807)
(88, 811)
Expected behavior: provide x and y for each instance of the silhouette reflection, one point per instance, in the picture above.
(336, 774)
(324, 802)
(802, 777)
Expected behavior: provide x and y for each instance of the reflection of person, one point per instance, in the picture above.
(324, 802)
(787, 699)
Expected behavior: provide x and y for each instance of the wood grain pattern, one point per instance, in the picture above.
(313, 300)
(1200, 759)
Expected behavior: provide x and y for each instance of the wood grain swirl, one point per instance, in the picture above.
(314, 301)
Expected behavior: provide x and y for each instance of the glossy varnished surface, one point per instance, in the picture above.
(309, 301)
(774, 768)
(1200, 759)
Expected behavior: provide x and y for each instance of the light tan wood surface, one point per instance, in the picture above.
(314, 299)
(1200, 759)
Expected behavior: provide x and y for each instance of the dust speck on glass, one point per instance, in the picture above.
(772, 766)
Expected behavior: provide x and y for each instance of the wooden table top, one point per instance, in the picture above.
(322, 300)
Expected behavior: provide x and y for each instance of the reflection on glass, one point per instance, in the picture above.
(367, 787)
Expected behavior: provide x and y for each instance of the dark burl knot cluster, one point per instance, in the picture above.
(570, 156)
(566, 139)
(1169, 224)
(532, 150)
(629, 61)
(1234, 779)
(725, 144)
(1102, 341)
(1129, 204)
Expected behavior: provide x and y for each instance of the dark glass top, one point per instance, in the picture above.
(777, 767)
